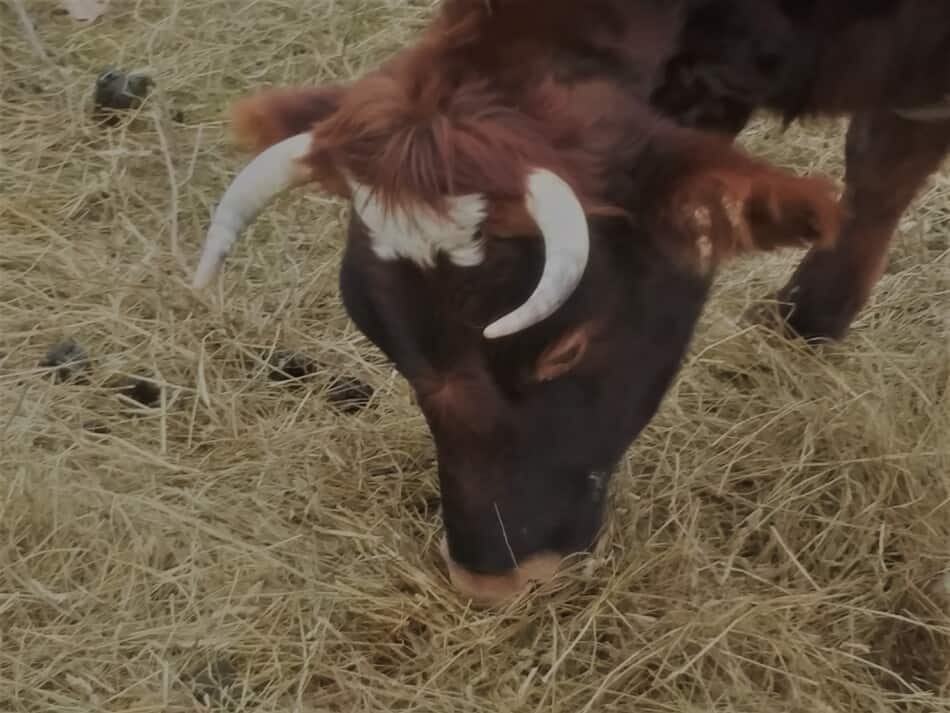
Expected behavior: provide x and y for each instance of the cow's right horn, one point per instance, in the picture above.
(273, 171)
(560, 216)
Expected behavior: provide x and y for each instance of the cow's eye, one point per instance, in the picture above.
(563, 355)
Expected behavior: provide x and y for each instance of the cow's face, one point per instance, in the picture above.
(539, 331)
(526, 427)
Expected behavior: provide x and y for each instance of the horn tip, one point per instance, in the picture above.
(499, 328)
(206, 272)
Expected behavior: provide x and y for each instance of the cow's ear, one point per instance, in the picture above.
(263, 119)
(724, 212)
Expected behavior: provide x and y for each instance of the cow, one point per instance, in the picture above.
(529, 244)
(884, 64)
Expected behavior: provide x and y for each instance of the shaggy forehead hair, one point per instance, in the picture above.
(473, 107)
(413, 143)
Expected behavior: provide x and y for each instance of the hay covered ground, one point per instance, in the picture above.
(776, 534)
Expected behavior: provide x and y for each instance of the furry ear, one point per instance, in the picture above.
(272, 115)
(731, 211)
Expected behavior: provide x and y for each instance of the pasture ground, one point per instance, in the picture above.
(776, 535)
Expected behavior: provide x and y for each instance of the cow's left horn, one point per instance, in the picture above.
(560, 216)
(275, 170)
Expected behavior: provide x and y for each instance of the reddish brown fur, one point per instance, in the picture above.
(774, 211)
(459, 401)
(804, 58)
(471, 142)
(475, 145)
(266, 117)
(416, 136)
(879, 55)
(820, 57)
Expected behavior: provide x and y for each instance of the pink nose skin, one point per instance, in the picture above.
(495, 589)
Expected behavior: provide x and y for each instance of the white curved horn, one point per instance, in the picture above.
(560, 216)
(273, 171)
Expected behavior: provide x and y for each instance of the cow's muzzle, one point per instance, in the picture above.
(496, 589)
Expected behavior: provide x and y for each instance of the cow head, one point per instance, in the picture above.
(533, 264)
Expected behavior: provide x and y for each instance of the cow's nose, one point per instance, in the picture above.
(494, 589)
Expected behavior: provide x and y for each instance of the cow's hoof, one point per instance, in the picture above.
(790, 313)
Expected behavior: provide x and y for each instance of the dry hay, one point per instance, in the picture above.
(776, 533)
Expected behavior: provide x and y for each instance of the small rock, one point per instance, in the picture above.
(69, 360)
(349, 394)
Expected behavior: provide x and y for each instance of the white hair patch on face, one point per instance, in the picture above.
(420, 237)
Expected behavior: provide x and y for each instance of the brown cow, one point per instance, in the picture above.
(885, 63)
(530, 245)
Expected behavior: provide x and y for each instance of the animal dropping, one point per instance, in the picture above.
(118, 92)
(69, 361)
(345, 393)
(349, 394)
(285, 366)
(140, 390)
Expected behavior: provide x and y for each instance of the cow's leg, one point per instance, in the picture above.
(887, 160)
